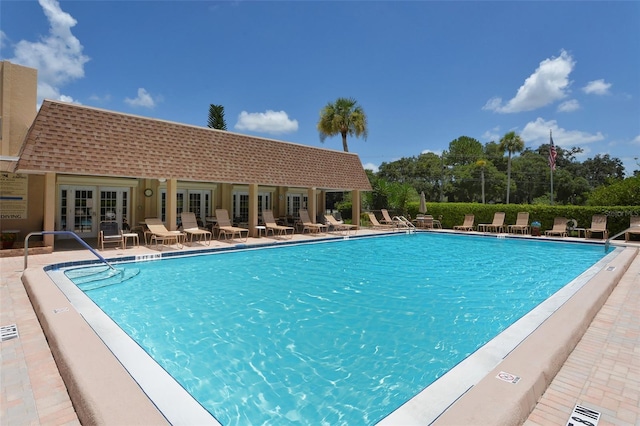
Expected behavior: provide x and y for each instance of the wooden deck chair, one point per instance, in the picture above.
(225, 227)
(496, 226)
(160, 234)
(190, 227)
(308, 226)
(467, 225)
(521, 225)
(559, 227)
(634, 227)
(271, 225)
(110, 234)
(386, 219)
(340, 227)
(377, 225)
(598, 226)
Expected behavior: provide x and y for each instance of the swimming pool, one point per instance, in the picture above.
(372, 308)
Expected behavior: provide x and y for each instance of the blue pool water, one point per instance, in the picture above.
(332, 333)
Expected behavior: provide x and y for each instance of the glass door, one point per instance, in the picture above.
(114, 205)
(76, 212)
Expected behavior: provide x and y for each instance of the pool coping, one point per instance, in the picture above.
(49, 307)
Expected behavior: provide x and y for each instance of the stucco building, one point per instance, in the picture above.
(68, 167)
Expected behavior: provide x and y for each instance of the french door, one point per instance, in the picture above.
(76, 212)
(114, 205)
(82, 208)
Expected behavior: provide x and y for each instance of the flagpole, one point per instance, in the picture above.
(551, 167)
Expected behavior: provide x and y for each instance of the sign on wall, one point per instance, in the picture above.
(13, 195)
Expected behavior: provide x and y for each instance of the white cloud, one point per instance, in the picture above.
(597, 87)
(272, 122)
(371, 166)
(536, 133)
(57, 57)
(143, 99)
(492, 135)
(636, 140)
(549, 83)
(569, 106)
(427, 151)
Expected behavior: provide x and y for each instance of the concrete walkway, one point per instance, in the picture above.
(602, 373)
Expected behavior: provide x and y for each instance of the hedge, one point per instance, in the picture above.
(452, 214)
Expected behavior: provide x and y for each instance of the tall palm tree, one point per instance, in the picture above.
(344, 117)
(482, 164)
(511, 142)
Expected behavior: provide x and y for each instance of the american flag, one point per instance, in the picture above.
(552, 154)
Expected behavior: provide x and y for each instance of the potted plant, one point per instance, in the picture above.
(7, 239)
(535, 228)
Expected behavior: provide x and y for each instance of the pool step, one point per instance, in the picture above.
(93, 278)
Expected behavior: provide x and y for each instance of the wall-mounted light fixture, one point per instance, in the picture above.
(162, 180)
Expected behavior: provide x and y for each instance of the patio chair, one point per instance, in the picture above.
(559, 227)
(521, 225)
(386, 219)
(377, 225)
(225, 227)
(309, 226)
(160, 234)
(191, 228)
(634, 227)
(341, 227)
(110, 234)
(496, 226)
(270, 223)
(467, 225)
(598, 226)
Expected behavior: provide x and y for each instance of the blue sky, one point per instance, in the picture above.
(425, 72)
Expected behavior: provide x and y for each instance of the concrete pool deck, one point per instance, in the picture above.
(601, 373)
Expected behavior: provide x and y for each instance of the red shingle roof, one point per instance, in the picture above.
(71, 139)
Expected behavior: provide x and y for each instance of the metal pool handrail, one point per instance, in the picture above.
(73, 234)
(606, 243)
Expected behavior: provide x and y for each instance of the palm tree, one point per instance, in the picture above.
(511, 142)
(216, 117)
(482, 164)
(344, 117)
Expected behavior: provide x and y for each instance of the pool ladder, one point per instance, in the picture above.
(401, 220)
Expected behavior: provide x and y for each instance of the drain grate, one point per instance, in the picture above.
(583, 416)
(8, 332)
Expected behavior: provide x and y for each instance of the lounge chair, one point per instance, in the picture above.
(309, 226)
(340, 227)
(386, 219)
(521, 225)
(377, 225)
(110, 234)
(634, 227)
(225, 227)
(467, 225)
(559, 227)
(496, 226)
(191, 228)
(598, 226)
(160, 234)
(271, 225)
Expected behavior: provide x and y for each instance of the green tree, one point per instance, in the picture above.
(510, 142)
(601, 169)
(621, 193)
(216, 117)
(343, 117)
(463, 151)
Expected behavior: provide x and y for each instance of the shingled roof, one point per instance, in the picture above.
(72, 139)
